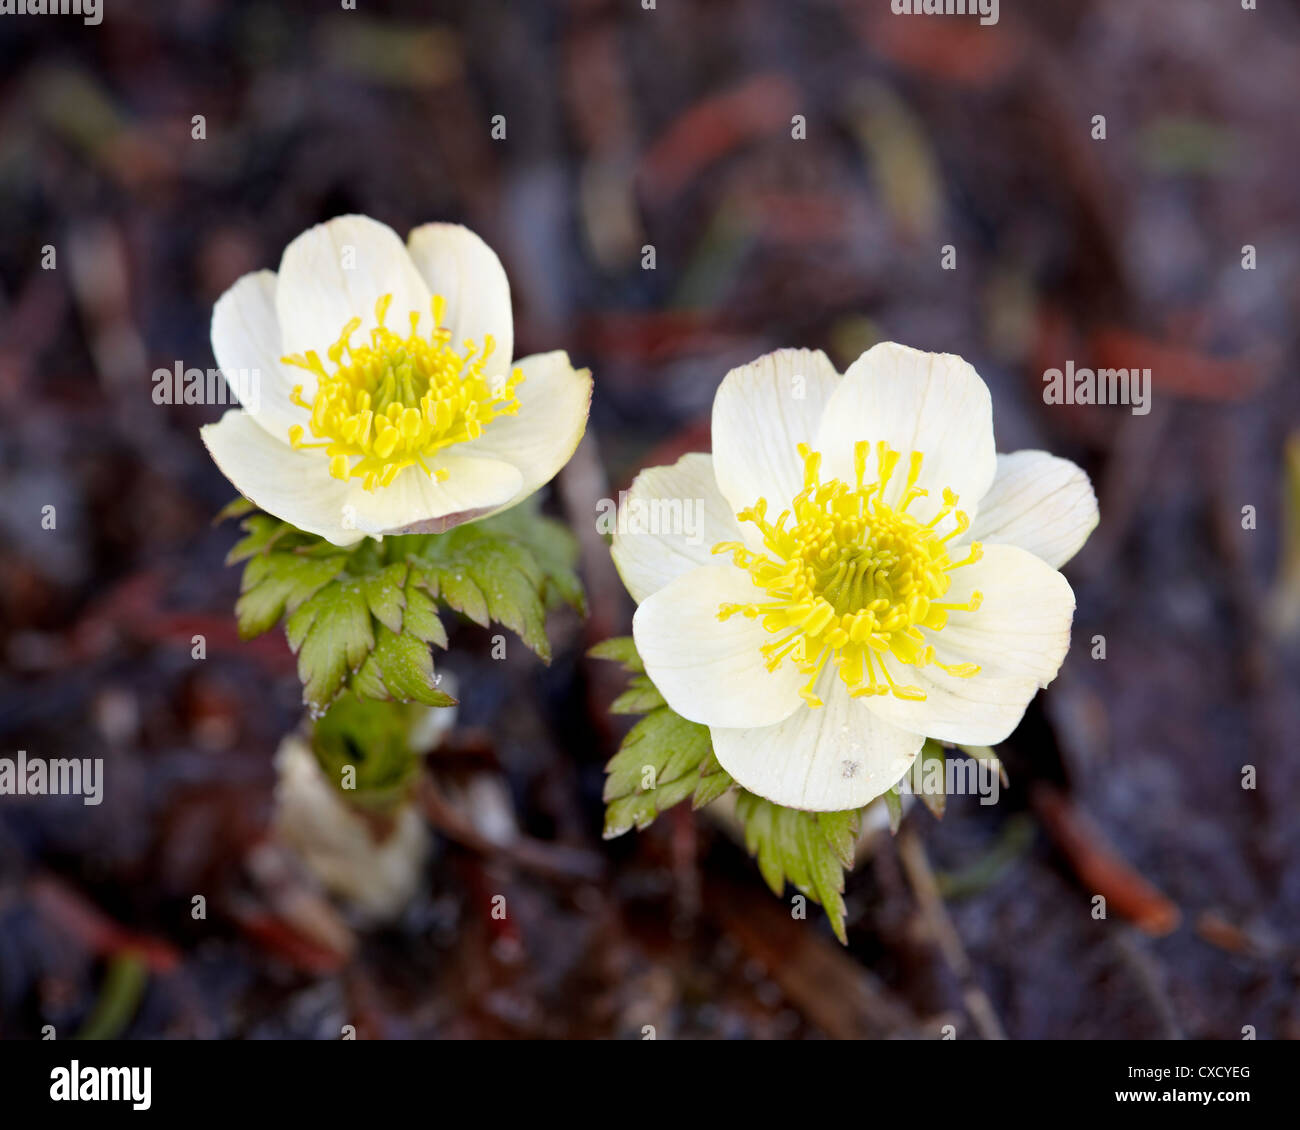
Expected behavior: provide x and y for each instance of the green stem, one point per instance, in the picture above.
(124, 985)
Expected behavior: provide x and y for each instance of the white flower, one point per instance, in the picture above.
(866, 572)
(377, 875)
(386, 400)
(374, 866)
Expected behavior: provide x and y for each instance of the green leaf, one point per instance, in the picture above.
(504, 569)
(809, 850)
(332, 635)
(373, 740)
(510, 582)
(422, 617)
(364, 616)
(261, 532)
(237, 507)
(841, 829)
(987, 756)
(385, 594)
(275, 584)
(715, 781)
(620, 649)
(894, 803)
(663, 760)
(457, 590)
(928, 772)
(400, 668)
(657, 766)
(552, 546)
(640, 697)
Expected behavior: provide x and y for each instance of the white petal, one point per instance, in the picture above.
(457, 264)
(1039, 502)
(980, 710)
(297, 487)
(934, 403)
(414, 503)
(1022, 627)
(554, 400)
(246, 344)
(293, 485)
(825, 759)
(1019, 637)
(668, 524)
(761, 413)
(337, 271)
(712, 671)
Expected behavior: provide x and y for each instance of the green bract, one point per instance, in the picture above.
(664, 759)
(364, 617)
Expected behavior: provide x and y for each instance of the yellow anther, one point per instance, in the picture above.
(961, 670)
(853, 580)
(394, 402)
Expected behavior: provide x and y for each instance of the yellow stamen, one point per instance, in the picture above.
(853, 579)
(393, 402)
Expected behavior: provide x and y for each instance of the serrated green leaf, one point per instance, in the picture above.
(664, 747)
(808, 850)
(641, 697)
(332, 635)
(926, 770)
(637, 811)
(460, 591)
(619, 649)
(658, 764)
(894, 803)
(261, 532)
(386, 595)
(825, 872)
(236, 508)
(988, 756)
(422, 619)
(278, 583)
(761, 835)
(715, 781)
(401, 668)
(841, 832)
(788, 828)
(486, 578)
(501, 569)
(489, 571)
(662, 742)
(670, 793)
(551, 545)
(509, 580)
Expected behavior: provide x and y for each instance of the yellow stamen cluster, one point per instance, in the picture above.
(852, 578)
(393, 402)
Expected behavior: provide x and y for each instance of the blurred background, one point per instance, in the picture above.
(672, 128)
